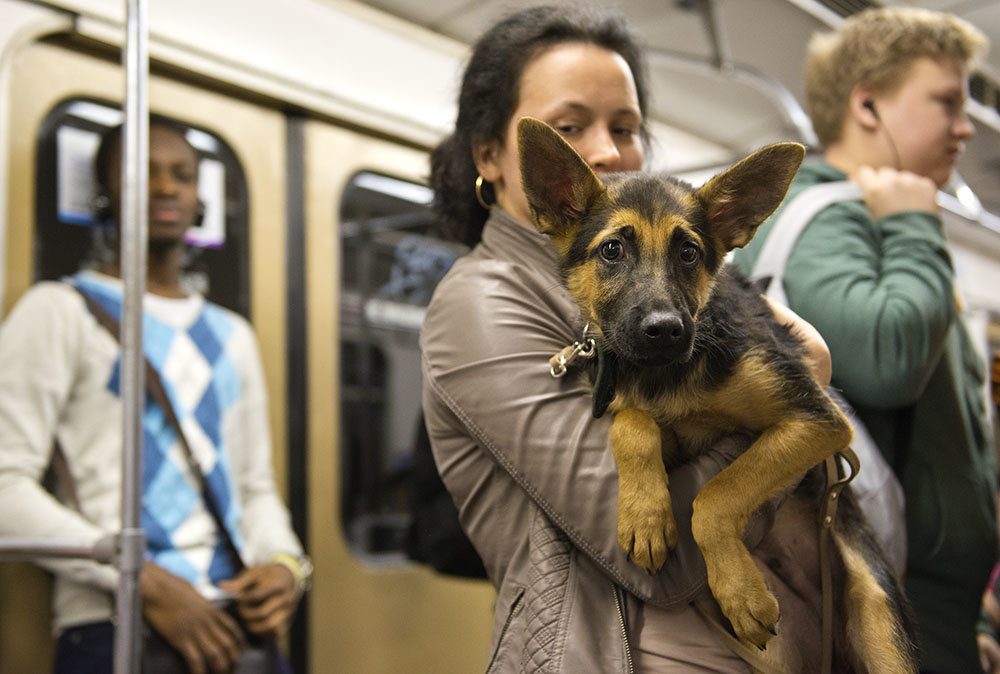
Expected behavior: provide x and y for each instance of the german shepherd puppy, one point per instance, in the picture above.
(688, 349)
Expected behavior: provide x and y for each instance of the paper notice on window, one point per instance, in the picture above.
(211, 233)
(75, 150)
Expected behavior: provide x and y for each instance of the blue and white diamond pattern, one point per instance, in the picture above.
(203, 385)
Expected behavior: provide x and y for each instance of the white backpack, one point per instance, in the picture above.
(879, 492)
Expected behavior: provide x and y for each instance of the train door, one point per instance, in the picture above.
(60, 98)
(370, 266)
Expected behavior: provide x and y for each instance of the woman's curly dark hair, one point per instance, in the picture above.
(489, 96)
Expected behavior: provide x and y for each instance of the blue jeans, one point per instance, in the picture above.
(90, 649)
(86, 649)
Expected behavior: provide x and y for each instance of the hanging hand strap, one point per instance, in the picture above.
(159, 394)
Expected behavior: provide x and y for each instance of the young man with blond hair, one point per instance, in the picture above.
(886, 94)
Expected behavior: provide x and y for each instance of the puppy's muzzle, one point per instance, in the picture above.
(658, 337)
(661, 330)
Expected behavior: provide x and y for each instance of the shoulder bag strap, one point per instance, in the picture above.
(789, 226)
(159, 394)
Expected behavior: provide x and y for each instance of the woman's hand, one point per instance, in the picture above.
(818, 353)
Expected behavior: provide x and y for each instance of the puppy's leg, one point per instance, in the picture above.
(874, 631)
(646, 526)
(779, 457)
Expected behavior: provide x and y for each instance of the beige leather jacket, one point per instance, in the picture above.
(530, 468)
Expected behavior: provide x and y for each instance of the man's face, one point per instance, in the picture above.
(925, 117)
(173, 184)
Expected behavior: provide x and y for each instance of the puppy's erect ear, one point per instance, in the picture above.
(559, 184)
(739, 199)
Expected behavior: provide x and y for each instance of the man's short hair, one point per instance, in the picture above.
(877, 47)
(110, 144)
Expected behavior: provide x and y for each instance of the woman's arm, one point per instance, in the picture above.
(820, 364)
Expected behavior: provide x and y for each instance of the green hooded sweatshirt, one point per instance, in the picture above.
(882, 295)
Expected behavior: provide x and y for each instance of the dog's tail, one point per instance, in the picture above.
(881, 628)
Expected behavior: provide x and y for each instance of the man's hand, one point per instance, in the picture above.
(200, 631)
(265, 598)
(887, 191)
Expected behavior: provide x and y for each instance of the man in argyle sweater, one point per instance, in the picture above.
(60, 381)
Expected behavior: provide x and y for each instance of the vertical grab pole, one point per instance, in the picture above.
(135, 196)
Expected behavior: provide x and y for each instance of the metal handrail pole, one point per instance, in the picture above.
(134, 224)
(33, 549)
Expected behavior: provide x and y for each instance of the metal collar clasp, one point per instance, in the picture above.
(585, 348)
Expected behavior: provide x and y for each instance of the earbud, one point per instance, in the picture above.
(888, 136)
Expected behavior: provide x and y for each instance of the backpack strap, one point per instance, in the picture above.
(789, 225)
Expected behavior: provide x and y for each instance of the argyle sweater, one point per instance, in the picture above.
(59, 378)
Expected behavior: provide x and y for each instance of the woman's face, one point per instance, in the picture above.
(586, 93)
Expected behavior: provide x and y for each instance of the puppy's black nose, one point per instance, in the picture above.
(661, 328)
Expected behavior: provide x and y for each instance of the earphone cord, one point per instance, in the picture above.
(892, 145)
(897, 164)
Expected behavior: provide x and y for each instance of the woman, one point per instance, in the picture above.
(529, 467)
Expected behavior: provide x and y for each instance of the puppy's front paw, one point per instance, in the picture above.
(743, 596)
(646, 526)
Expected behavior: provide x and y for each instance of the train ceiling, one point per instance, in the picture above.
(731, 70)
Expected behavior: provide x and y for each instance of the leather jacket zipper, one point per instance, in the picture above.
(514, 610)
(621, 623)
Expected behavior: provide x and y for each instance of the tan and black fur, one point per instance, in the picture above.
(688, 349)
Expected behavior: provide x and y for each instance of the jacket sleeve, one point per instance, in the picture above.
(881, 294)
(508, 437)
(266, 523)
(40, 346)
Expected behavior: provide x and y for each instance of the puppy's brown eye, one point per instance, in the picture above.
(612, 250)
(689, 253)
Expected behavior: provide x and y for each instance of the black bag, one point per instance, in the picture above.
(261, 656)
(435, 536)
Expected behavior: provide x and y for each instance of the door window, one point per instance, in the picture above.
(391, 262)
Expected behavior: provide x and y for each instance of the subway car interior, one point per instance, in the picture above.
(314, 120)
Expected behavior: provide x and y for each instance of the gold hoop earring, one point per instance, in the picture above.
(479, 193)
